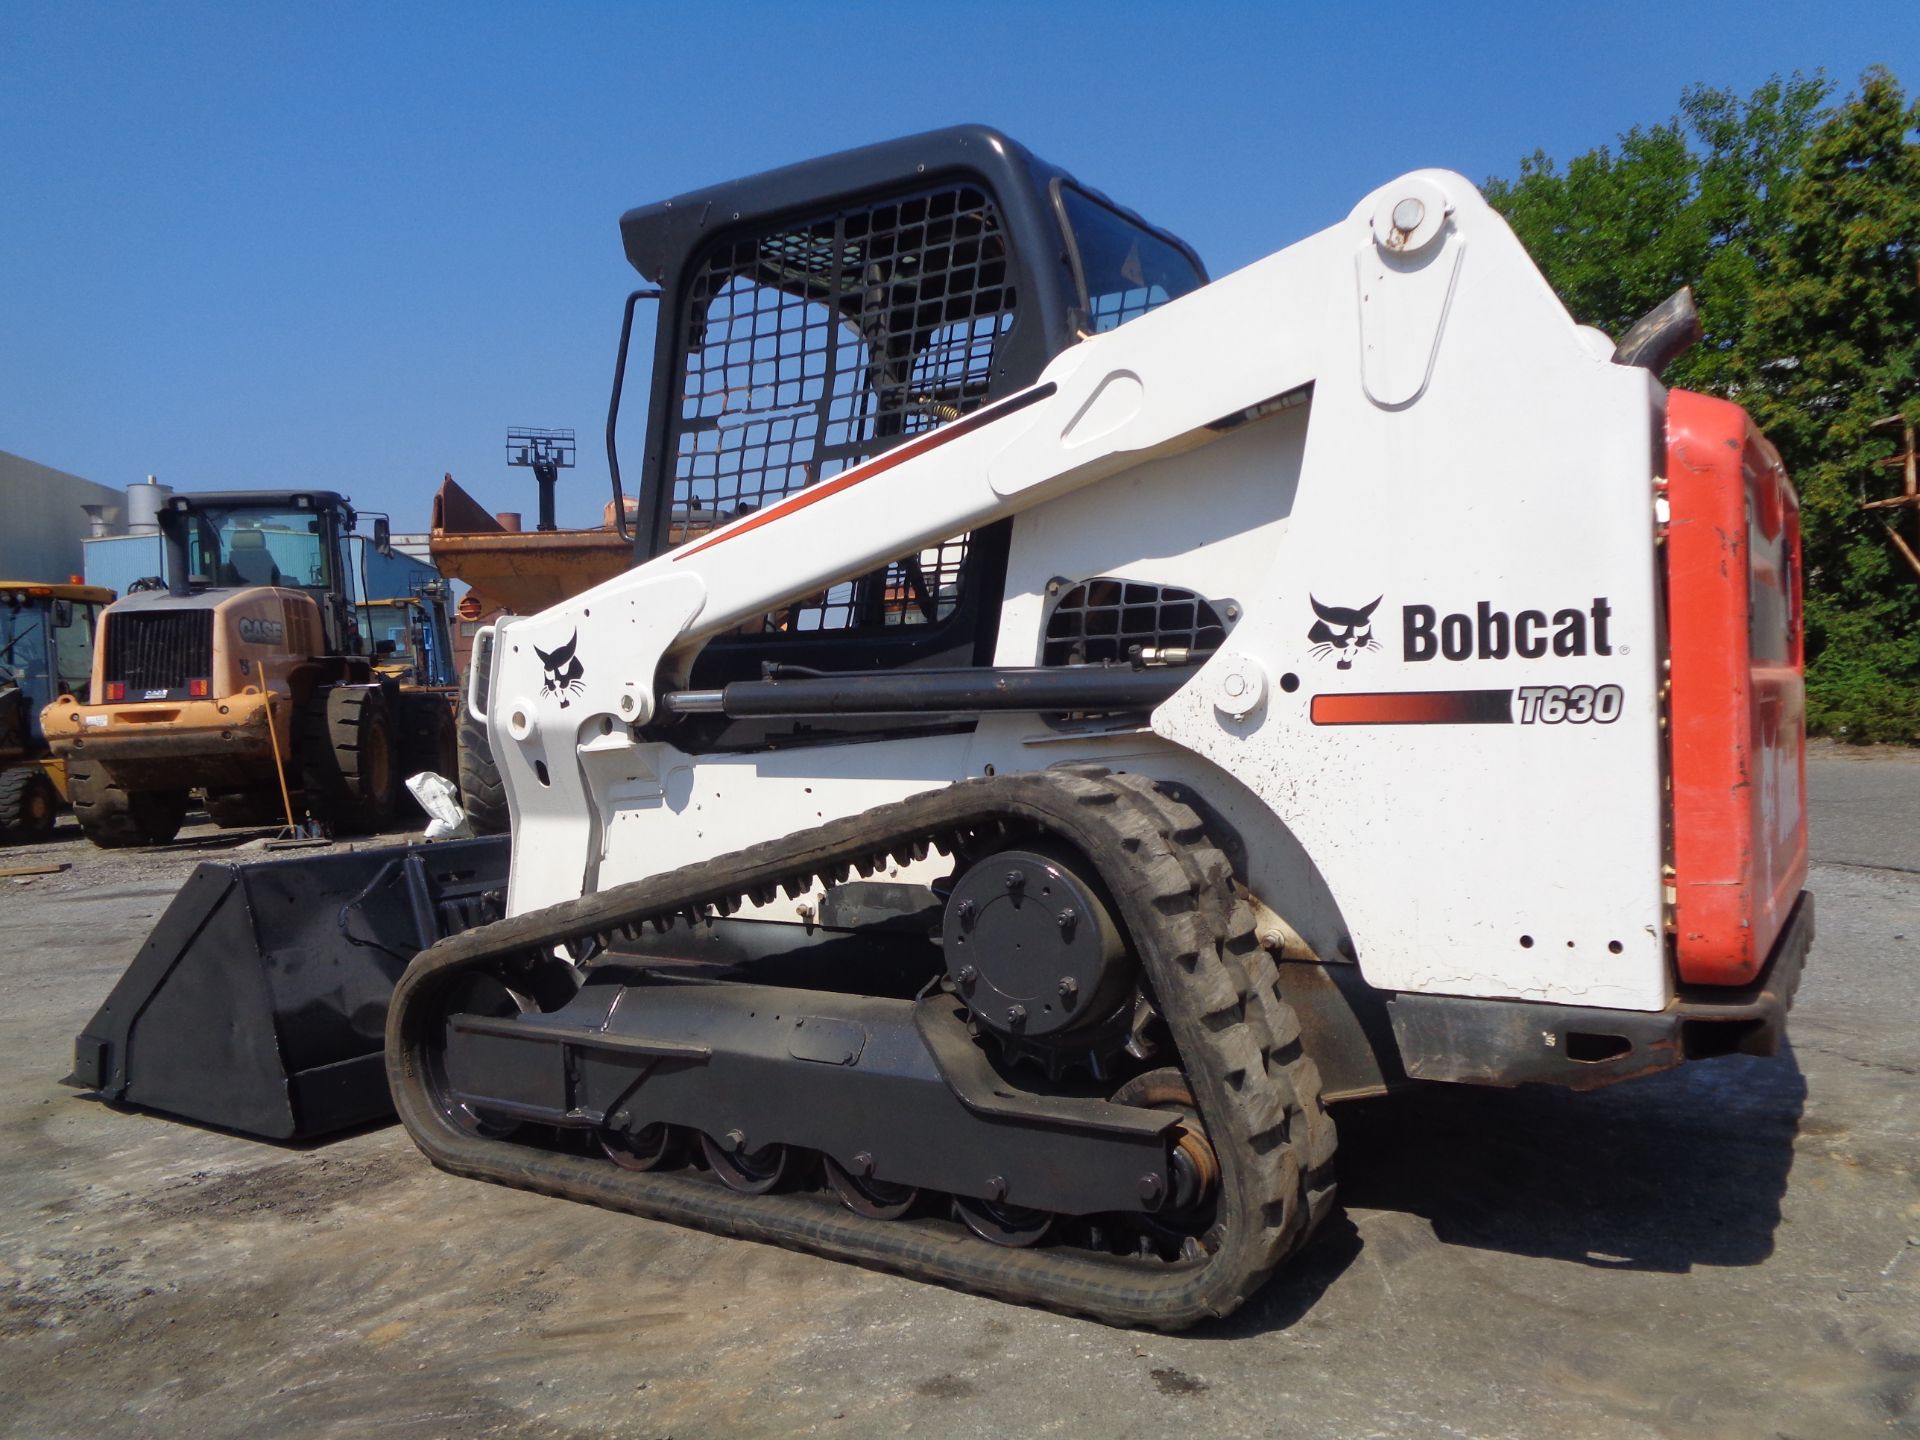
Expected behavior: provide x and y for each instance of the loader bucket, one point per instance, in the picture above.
(259, 1001)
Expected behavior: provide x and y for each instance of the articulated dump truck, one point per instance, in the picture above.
(1103, 719)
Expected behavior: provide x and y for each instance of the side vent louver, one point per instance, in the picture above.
(1104, 619)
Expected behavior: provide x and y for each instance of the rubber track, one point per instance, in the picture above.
(1239, 1043)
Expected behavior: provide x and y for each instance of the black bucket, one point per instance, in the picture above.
(259, 1001)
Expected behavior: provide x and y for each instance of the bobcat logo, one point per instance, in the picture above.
(563, 670)
(1341, 630)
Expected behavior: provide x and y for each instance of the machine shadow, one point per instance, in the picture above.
(299, 1145)
(1659, 1174)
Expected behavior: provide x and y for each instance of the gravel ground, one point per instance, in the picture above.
(1732, 1249)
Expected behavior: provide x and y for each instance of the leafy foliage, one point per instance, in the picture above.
(1798, 225)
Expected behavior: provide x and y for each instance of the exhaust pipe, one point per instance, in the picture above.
(173, 535)
(1662, 335)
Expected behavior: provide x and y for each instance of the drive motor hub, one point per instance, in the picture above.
(1032, 946)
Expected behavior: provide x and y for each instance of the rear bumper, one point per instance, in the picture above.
(1514, 1042)
(179, 744)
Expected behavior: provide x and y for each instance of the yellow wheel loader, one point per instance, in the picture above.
(243, 674)
(46, 648)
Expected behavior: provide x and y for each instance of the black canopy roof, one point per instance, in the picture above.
(661, 237)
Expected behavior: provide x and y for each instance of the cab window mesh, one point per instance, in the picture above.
(817, 344)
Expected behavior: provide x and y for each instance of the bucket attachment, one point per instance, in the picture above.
(259, 1001)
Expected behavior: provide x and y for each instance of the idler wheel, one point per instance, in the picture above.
(875, 1199)
(1187, 1217)
(751, 1172)
(642, 1149)
(478, 993)
(1014, 1226)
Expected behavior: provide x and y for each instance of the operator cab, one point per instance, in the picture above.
(813, 317)
(291, 539)
(46, 651)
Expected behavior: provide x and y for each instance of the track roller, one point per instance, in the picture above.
(875, 1199)
(643, 1149)
(1013, 1226)
(751, 1172)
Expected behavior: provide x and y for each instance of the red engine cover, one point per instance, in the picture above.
(1738, 701)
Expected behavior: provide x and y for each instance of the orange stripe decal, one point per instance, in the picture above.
(880, 464)
(1415, 707)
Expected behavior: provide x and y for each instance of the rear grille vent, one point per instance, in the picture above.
(1104, 619)
(159, 649)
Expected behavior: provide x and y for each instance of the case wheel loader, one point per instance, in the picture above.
(244, 675)
(1106, 718)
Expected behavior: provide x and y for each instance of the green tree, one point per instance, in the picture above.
(1799, 229)
(1834, 346)
(1615, 233)
(1687, 202)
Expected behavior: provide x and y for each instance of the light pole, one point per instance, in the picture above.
(547, 452)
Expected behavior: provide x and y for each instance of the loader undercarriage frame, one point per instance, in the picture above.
(1252, 1093)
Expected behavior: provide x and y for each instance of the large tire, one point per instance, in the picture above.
(427, 740)
(114, 818)
(348, 757)
(246, 809)
(28, 802)
(482, 793)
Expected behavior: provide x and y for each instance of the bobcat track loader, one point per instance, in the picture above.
(1104, 718)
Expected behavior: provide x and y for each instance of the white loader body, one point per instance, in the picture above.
(1443, 436)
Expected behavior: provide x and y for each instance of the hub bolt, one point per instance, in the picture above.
(1069, 989)
(1016, 881)
(965, 912)
(1016, 1016)
(1067, 920)
(967, 975)
(736, 1141)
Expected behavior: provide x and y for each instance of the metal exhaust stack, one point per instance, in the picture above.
(1663, 334)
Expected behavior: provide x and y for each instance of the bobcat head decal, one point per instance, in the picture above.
(563, 670)
(1342, 631)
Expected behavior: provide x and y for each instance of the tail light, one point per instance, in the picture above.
(116, 690)
(1738, 702)
(199, 689)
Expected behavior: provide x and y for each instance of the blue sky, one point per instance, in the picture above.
(350, 245)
